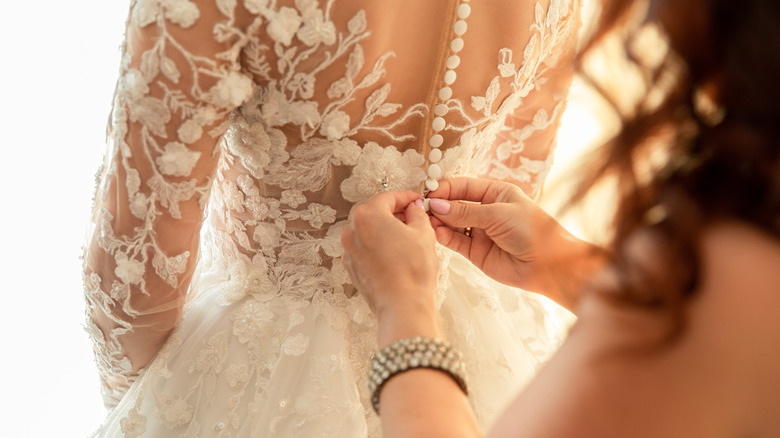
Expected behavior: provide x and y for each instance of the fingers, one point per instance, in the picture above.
(380, 212)
(393, 201)
(462, 214)
(380, 249)
(454, 240)
(416, 217)
(384, 215)
(469, 189)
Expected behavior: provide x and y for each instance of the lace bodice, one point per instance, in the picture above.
(277, 117)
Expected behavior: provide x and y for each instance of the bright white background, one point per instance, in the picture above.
(59, 64)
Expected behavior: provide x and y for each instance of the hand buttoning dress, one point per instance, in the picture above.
(242, 134)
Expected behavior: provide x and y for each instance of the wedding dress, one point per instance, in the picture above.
(242, 134)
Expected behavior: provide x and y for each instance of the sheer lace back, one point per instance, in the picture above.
(276, 118)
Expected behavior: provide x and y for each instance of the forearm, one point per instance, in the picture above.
(426, 403)
(421, 402)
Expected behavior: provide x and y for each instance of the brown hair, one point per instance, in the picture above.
(717, 123)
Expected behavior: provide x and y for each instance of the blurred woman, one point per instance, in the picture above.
(677, 334)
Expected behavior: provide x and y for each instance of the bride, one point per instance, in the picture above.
(242, 135)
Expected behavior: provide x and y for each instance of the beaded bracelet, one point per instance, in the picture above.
(411, 353)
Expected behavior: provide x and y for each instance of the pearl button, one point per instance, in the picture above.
(438, 124)
(460, 27)
(449, 77)
(464, 11)
(434, 156)
(456, 45)
(434, 171)
(441, 109)
(453, 62)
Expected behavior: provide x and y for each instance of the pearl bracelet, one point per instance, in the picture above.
(410, 353)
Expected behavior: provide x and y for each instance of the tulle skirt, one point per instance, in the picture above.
(271, 365)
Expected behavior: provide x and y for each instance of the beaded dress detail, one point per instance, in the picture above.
(243, 133)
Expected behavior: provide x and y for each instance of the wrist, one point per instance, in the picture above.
(570, 265)
(407, 319)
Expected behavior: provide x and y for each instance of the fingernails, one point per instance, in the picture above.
(440, 206)
(419, 203)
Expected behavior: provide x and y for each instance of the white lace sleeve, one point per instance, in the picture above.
(522, 152)
(178, 83)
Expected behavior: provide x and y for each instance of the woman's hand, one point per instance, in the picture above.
(512, 239)
(389, 252)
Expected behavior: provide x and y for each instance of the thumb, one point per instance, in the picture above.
(460, 214)
(416, 217)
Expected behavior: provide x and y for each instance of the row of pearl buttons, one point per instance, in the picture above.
(445, 93)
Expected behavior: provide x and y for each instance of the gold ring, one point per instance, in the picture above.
(467, 231)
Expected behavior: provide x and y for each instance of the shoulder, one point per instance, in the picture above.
(739, 248)
(721, 370)
(739, 292)
(718, 378)
(732, 331)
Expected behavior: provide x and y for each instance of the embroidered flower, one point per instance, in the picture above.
(139, 205)
(232, 90)
(173, 409)
(265, 208)
(316, 29)
(317, 215)
(238, 286)
(145, 12)
(205, 115)
(252, 144)
(278, 110)
(380, 169)
(256, 6)
(295, 345)
(260, 207)
(346, 152)
(335, 125)
(182, 12)
(177, 160)
(303, 84)
(190, 131)
(541, 119)
(293, 198)
(213, 355)
(133, 85)
(283, 25)
(133, 425)
(258, 281)
(130, 271)
(251, 320)
(267, 235)
(232, 197)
